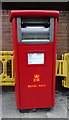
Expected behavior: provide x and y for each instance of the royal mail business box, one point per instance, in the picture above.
(34, 41)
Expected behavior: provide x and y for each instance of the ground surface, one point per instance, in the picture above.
(9, 110)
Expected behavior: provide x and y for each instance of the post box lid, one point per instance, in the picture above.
(33, 13)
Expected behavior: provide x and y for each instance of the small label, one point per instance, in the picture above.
(35, 86)
(35, 58)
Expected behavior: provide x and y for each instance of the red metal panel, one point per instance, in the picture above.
(33, 13)
(54, 61)
(26, 44)
(16, 65)
(35, 96)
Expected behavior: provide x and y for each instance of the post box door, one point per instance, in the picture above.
(35, 75)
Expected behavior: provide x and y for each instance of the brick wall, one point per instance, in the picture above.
(62, 31)
(68, 32)
(0, 25)
(6, 32)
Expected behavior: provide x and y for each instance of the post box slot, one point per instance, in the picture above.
(32, 30)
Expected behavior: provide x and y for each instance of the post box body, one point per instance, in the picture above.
(34, 57)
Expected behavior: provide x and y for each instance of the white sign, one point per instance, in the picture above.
(35, 58)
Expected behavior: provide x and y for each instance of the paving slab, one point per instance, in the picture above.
(68, 108)
(59, 111)
(9, 112)
(0, 99)
(68, 115)
(68, 103)
(34, 115)
(61, 99)
(9, 109)
(8, 99)
(0, 90)
(0, 112)
(12, 112)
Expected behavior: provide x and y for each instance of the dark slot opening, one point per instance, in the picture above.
(9, 68)
(1, 68)
(35, 22)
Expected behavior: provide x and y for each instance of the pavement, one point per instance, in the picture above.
(8, 107)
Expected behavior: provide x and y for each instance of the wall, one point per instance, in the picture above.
(6, 31)
(62, 33)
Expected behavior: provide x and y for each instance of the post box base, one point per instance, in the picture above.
(33, 110)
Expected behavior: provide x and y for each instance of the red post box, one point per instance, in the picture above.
(34, 41)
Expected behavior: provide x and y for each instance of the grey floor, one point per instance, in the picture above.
(8, 108)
